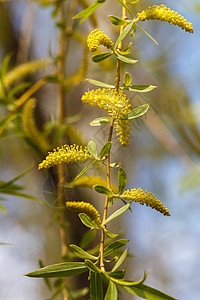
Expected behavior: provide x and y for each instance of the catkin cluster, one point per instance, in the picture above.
(96, 38)
(123, 129)
(138, 195)
(86, 208)
(165, 14)
(65, 154)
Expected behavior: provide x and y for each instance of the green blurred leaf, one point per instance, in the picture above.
(92, 267)
(119, 274)
(101, 56)
(79, 293)
(124, 33)
(120, 261)
(82, 253)
(46, 280)
(122, 179)
(137, 112)
(147, 292)
(5, 64)
(105, 149)
(65, 269)
(142, 88)
(117, 21)
(96, 288)
(84, 170)
(125, 59)
(101, 189)
(117, 213)
(111, 293)
(100, 121)
(133, 2)
(128, 283)
(147, 34)
(99, 83)
(114, 246)
(3, 209)
(88, 11)
(87, 221)
(127, 79)
(109, 234)
(115, 165)
(92, 148)
(87, 238)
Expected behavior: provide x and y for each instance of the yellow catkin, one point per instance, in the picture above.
(90, 181)
(165, 14)
(30, 127)
(123, 129)
(96, 38)
(65, 154)
(114, 102)
(86, 208)
(138, 195)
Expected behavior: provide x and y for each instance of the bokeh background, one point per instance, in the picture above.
(163, 155)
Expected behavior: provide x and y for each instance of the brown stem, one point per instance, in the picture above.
(117, 80)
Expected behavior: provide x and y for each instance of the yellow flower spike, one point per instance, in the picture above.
(30, 127)
(86, 208)
(65, 154)
(123, 128)
(138, 195)
(114, 102)
(96, 38)
(165, 14)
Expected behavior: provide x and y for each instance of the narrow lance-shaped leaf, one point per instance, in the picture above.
(141, 88)
(119, 274)
(85, 169)
(117, 213)
(101, 56)
(124, 33)
(109, 234)
(117, 21)
(120, 261)
(82, 253)
(60, 270)
(87, 238)
(99, 83)
(114, 246)
(101, 189)
(92, 267)
(46, 280)
(100, 121)
(88, 11)
(87, 221)
(105, 149)
(111, 293)
(137, 112)
(126, 7)
(96, 288)
(127, 283)
(122, 179)
(125, 59)
(147, 34)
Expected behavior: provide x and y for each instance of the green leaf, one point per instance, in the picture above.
(111, 293)
(124, 33)
(125, 59)
(79, 293)
(128, 283)
(137, 112)
(147, 34)
(125, 6)
(88, 11)
(65, 269)
(84, 170)
(46, 280)
(92, 267)
(101, 189)
(92, 148)
(105, 149)
(101, 56)
(125, 51)
(117, 213)
(117, 21)
(119, 274)
(120, 261)
(99, 83)
(127, 79)
(122, 179)
(87, 238)
(133, 2)
(82, 253)
(115, 165)
(114, 246)
(109, 234)
(96, 288)
(5, 64)
(142, 88)
(100, 121)
(147, 292)
(87, 221)
(3, 209)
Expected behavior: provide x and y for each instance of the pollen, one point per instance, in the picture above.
(165, 14)
(138, 195)
(86, 208)
(65, 154)
(96, 38)
(123, 128)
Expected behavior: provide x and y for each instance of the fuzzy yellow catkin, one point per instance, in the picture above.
(123, 129)
(96, 38)
(138, 195)
(86, 208)
(114, 102)
(30, 127)
(65, 154)
(165, 14)
(90, 181)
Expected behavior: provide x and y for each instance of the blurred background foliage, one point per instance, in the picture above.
(163, 156)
